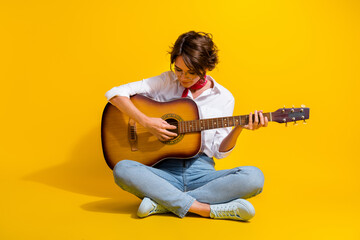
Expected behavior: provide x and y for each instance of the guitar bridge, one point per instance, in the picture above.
(132, 136)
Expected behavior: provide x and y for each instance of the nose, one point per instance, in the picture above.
(183, 75)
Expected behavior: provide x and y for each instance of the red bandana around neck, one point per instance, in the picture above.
(199, 84)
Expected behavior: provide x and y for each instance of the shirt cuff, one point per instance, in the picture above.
(219, 155)
(115, 91)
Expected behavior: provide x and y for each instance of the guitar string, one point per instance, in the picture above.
(207, 123)
(211, 123)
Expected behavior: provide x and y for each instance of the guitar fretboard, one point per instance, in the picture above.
(212, 123)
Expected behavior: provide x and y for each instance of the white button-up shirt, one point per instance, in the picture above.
(212, 103)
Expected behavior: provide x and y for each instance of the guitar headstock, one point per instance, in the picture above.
(285, 115)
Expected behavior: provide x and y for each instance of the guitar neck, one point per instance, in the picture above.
(212, 123)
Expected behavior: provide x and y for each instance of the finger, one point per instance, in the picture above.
(169, 134)
(266, 122)
(250, 124)
(169, 126)
(165, 137)
(261, 118)
(256, 120)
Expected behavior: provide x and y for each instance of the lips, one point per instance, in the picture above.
(186, 84)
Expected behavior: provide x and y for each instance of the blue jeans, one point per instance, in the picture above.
(177, 183)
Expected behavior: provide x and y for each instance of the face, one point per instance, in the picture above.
(186, 77)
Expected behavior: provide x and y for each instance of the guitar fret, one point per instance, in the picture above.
(213, 123)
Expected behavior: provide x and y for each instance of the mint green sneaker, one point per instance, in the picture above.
(149, 207)
(238, 209)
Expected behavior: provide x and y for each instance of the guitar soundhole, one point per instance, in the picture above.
(173, 119)
(173, 122)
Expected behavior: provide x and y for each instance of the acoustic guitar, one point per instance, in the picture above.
(123, 138)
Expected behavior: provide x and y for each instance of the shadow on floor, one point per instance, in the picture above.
(124, 206)
(85, 171)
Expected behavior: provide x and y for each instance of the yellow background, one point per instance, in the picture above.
(58, 58)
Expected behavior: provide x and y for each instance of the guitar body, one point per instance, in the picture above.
(123, 138)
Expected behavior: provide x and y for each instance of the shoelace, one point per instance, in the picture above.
(157, 209)
(226, 211)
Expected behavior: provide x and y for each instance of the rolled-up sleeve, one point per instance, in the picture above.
(221, 133)
(148, 86)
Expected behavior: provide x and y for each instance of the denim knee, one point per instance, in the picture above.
(122, 172)
(255, 178)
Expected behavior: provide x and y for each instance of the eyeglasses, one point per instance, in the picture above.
(187, 75)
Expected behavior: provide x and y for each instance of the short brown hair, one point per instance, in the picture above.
(198, 51)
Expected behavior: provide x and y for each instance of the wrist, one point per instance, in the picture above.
(144, 121)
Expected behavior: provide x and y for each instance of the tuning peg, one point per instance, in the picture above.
(302, 105)
(303, 118)
(293, 109)
(284, 120)
(283, 111)
(295, 124)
